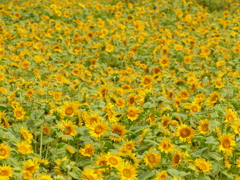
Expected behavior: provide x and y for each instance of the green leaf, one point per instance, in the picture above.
(37, 114)
(214, 124)
(114, 135)
(145, 175)
(163, 99)
(3, 107)
(151, 142)
(75, 174)
(178, 174)
(199, 152)
(38, 123)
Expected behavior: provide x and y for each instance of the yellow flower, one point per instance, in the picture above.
(109, 48)
(152, 159)
(132, 113)
(5, 171)
(68, 128)
(166, 120)
(70, 149)
(30, 166)
(176, 158)
(87, 151)
(26, 134)
(202, 165)
(203, 126)
(127, 172)
(24, 147)
(184, 94)
(161, 175)
(98, 129)
(46, 130)
(230, 116)
(119, 130)
(185, 133)
(147, 80)
(4, 151)
(89, 174)
(227, 143)
(236, 127)
(69, 108)
(166, 145)
(113, 159)
(45, 177)
(19, 112)
(213, 99)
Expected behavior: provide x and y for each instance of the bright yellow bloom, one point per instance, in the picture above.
(24, 147)
(166, 145)
(227, 143)
(185, 133)
(98, 129)
(27, 135)
(152, 159)
(19, 112)
(127, 171)
(202, 165)
(87, 151)
(4, 151)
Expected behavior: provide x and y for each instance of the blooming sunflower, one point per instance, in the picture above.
(19, 112)
(45, 177)
(166, 120)
(127, 171)
(161, 175)
(24, 147)
(98, 129)
(227, 143)
(166, 145)
(30, 166)
(111, 113)
(90, 174)
(230, 116)
(132, 113)
(213, 99)
(26, 134)
(152, 159)
(119, 130)
(203, 126)
(69, 108)
(46, 130)
(185, 133)
(176, 158)
(87, 151)
(5, 171)
(4, 151)
(68, 128)
(184, 94)
(92, 118)
(131, 99)
(202, 165)
(113, 159)
(236, 127)
(147, 80)
(109, 48)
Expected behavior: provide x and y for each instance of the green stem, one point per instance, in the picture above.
(41, 140)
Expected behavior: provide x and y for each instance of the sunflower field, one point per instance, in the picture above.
(119, 90)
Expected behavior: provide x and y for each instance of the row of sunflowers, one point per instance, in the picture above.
(119, 90)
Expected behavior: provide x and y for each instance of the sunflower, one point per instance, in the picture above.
(147, 80)
(227, 143)
(120, 102)
(195, 107)
(68, 128)
(230, 116)
(176, 158)
(4, 151)
(19, 112)
(130, 145)
(6, 171)
(26, 134)
(46, 130)
(60, 167)
(202, 165)
(111, 113)
(30, 92)
(132, 113)
(30, 166)
(127, 171)
(166, 120)
(185, 133)
(69, 108)
(184, 94)
(113, 159)
(166, 145)
(44, 177)
(70, 149)
(87, 151)
(119, 130)
(109, 48)
(101, 160)
(152, 159)
(131, 99)
(213, 99)
(98, 129)
(92, 118)
(238, 162)
(161, 175)
(203, 126)
(24, 147)
(89, 174)
(236, 127)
